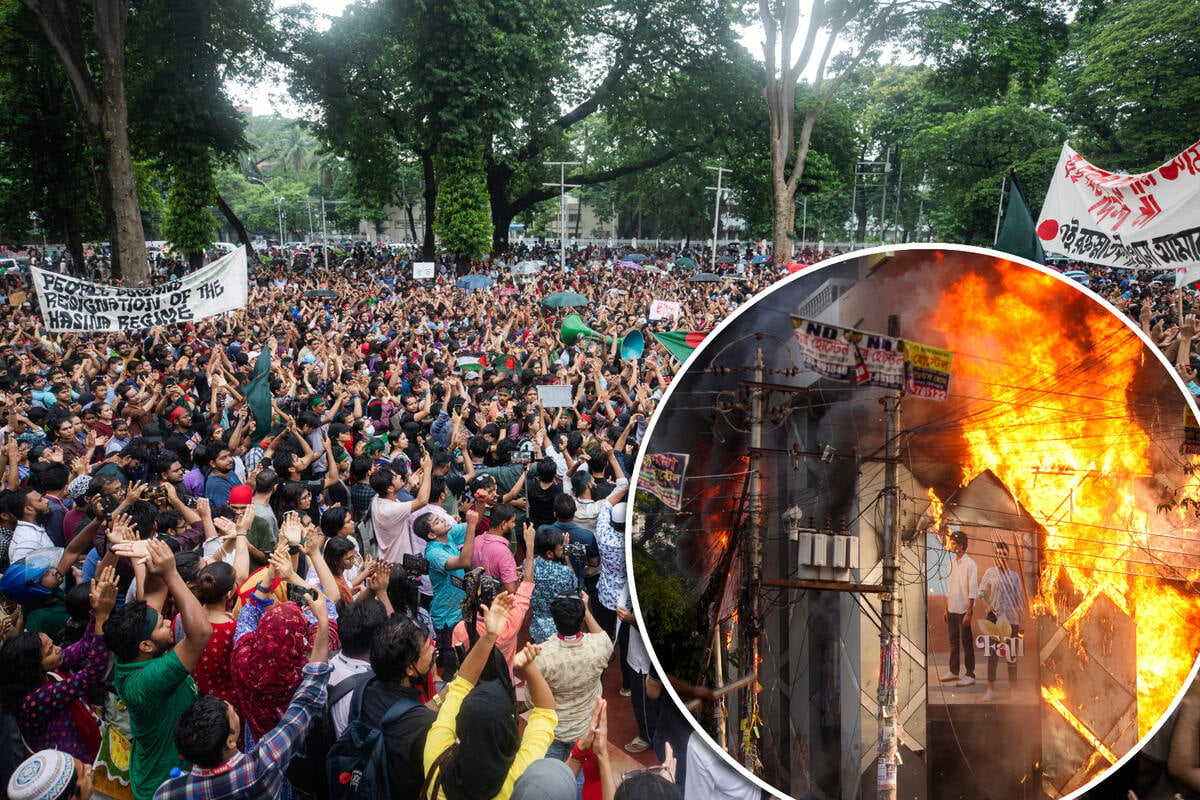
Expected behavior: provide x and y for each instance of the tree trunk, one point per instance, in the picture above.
(104, 114)
(234, 221)
(427, 246)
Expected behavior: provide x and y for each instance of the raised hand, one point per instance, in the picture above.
(103, 595)
(526, 657)
(495, 615)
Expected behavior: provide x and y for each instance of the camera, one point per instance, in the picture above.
(480, 590)
(415, 565)
(576, 554)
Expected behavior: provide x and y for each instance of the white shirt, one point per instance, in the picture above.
(709, 775)
(963, 584)
(29, 538)
(1002, 588)
(344, 668)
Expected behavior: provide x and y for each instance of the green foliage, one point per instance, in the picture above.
(463, 219)
(966, 157)
(189, 223)
(47, 165)
(1131, 80)
(986, 51)
(673, 622)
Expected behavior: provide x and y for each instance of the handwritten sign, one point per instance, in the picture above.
(664, 309)
(662, 475)
(422, 270)
(1144, 221)
(71, 304)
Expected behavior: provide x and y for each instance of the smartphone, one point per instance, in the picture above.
(296, 594)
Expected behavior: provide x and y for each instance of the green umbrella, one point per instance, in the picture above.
(685, 262)
(565, 299)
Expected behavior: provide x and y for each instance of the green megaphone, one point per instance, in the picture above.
(629, 346)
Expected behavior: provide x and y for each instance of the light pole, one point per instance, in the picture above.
(278, 206)
(717, 210)
(562, 207)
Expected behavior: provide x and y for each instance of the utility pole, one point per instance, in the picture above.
(754, 546)
(1000, 209)
(889, 630)
(717, 210)
(562, 206)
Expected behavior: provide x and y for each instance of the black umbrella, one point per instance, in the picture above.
(705, 277)
(330, 293)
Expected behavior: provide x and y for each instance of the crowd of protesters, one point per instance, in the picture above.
(233, 550)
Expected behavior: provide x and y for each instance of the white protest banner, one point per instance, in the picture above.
(1146, 221)
(664, 309)
(844, 354)
(551, 396)
(422, 270)
(71, 304)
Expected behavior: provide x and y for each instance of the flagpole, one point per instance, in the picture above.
(999, 209)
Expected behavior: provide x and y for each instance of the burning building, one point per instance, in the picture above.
(1057, 452)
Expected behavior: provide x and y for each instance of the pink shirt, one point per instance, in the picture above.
(492, 553)
(507, 640)
(393, 528)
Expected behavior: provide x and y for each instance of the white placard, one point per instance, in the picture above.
(664, 309)
(71, 304)
(422, 270)
(555, 396)
(1145, 221)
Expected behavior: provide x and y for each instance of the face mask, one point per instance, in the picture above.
(369, 430)
(120, 368)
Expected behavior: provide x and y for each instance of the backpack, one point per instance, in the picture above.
(366, 533)
(306, 770)
(357, 766)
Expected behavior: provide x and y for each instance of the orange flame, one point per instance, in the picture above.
(1048, 393)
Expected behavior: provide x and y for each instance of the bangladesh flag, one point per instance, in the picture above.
(472, 360)
(681, 343)
(509, 365)
(258, 395)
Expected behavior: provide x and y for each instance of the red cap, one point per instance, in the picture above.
(241, 495)
(176, 413)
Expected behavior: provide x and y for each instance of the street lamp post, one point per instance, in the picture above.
(717, 210)
(562, 207)
(278, 206)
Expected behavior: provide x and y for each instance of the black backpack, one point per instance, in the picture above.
(306, 769)
(357, 766)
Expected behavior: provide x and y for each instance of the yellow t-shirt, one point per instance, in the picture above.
(536, 741)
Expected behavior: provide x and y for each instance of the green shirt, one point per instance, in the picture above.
(259, 535)
(156, 692)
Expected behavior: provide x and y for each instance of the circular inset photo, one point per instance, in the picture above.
(922, 521)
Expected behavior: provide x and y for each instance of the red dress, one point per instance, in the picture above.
(213, 675)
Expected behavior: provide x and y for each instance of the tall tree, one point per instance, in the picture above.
(828, 24)
(100, 102)
(966, 157)
(412, 76)
(1130, 82)
(47, 165)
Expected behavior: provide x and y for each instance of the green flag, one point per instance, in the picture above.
(258, 395)
(680, 343)
(1019, 233)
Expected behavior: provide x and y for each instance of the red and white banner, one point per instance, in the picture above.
(1147, 221)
